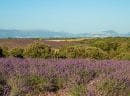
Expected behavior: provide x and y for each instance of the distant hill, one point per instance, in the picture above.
(50, 34)
(109, 33)
(127, 34)
(31, 34)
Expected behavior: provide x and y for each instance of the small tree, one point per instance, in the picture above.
(17, 52)
(38, 50)
(95, 53)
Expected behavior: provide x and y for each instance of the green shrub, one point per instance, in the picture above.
(71, 52)
(6, 52)
(56, 53)
(17, 52)
(102, 45)
(37, 84)
(82, 52)
(113, 87)
(38, 50)
(78, 90)
(61, 53)
(107, 45)
(113, 46)
(123, 56)
(55, 84)
(95, 53)
(123, 48)
(74, 52)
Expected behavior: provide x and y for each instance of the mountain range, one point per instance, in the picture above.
(7, 33)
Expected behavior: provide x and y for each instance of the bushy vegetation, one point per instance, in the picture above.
(4, 52)
(96, 48)
(38, 50)
(123, 56)
(82, 52)
(17, 52)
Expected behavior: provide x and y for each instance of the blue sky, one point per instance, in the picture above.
(76, 16)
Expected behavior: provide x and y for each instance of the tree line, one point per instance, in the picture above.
(98, 49)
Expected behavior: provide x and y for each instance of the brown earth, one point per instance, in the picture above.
(20, 42)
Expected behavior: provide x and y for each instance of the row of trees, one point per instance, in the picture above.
(97, 50)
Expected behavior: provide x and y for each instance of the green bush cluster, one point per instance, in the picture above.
(114, 47)
(123, 56)
(97, 48)
(17, 52)
(82, 52)
(34, 50)
(38, 50)
(107, 45)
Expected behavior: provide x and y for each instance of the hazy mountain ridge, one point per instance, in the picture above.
(50, 34)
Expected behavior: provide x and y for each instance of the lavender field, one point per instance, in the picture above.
(64, 77)
(64, 47)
